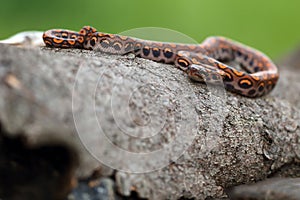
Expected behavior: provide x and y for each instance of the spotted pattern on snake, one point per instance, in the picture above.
(202, 62)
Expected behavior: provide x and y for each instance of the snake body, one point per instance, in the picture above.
(202, 62)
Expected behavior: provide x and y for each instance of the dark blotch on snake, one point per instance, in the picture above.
(92, 42)
(168, 54)
(245, 83)
(156, 52)
(128, 47)
(251, 92)
(256, 69)
(261, 88)
(117, 46)
(238, 53)
(146, 51)
(104, 43)
(251, 62)
(228, 78)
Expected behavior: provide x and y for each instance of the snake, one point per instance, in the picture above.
(204, 62)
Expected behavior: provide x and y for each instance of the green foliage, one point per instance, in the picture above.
(269, 25)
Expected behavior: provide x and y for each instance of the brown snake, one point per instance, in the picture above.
(202, 62)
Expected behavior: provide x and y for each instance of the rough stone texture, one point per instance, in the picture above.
(192, 140)
(272, 189)
(289, 85)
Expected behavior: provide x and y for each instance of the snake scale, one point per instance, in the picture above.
(202, 62)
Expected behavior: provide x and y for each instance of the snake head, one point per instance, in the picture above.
(205, 73)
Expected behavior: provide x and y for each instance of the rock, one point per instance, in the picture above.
(25, 39)
(163, 135)
(272, 189)
(291, 59)
(288, 87)
(44, 171)
(102, 189)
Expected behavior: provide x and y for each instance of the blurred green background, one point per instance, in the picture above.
(269, 25)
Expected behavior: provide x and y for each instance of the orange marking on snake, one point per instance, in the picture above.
(221, 66)
(183, 61)
(71, 42)
(238, 73)
(195, 61)
(246, 81)
(255, 78)
(58, 41)
(123, 37)
(80, 39)
(64, 34)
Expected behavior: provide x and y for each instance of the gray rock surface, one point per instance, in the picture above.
(146, 124)
(288, 88)
(272, 189)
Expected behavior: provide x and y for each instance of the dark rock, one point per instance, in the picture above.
(100, 189)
